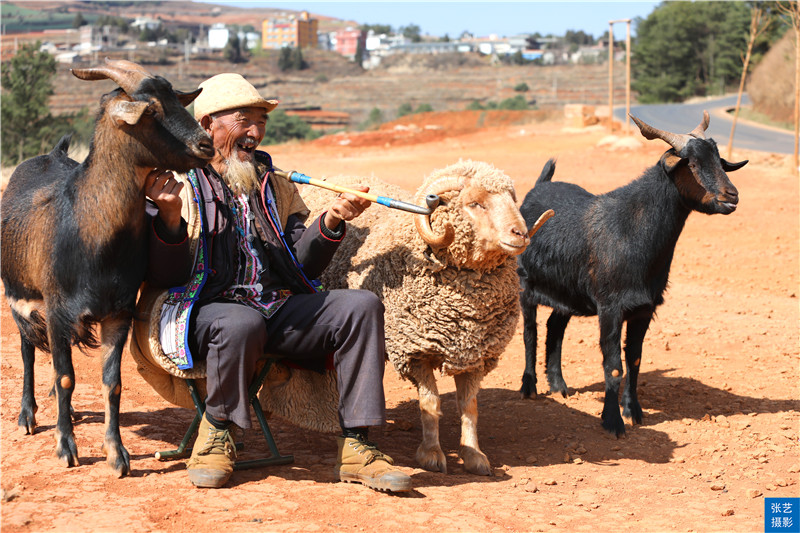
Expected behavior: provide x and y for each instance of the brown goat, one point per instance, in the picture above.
(75, 242)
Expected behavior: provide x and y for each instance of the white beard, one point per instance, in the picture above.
(241, 176)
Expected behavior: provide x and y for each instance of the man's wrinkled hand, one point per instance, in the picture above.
(346, 206)
(162, 187)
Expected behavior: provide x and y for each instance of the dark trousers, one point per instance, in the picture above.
(231, 337)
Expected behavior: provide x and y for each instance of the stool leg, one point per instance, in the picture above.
(275, 457)
(182, 452)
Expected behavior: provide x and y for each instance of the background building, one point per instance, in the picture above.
(295, 32)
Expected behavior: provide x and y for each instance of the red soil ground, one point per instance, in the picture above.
(719, 386)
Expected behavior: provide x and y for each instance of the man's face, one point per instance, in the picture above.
(237, 132)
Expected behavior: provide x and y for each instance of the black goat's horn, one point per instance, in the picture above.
(699, 131)
(676, 140)
(124, 73)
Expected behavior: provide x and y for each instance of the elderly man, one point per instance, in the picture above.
(251, 290)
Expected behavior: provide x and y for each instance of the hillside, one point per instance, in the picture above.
(334, 84)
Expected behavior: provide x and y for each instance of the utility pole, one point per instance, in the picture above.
(611, 74)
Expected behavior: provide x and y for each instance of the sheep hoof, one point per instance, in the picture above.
(432, 460)
(475, 462)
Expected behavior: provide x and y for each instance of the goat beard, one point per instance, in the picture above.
(241, 176)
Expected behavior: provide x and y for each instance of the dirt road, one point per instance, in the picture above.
(719, 387)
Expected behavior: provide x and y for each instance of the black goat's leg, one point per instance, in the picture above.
(529, 337)
(637, 328)
(114, 333)
(610, 337)
(66, 449)
(28, 407)
(556, 326)
(27, 412)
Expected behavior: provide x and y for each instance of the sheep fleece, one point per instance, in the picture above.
(457, 319)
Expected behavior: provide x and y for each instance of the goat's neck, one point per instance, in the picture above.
(109, 195)
(661, 213)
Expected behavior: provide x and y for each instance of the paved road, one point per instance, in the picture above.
(682, 118)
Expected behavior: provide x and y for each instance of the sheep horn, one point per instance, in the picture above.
(423, 222)
(544, 217)
(124, 73)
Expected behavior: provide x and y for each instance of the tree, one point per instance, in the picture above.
(297, 61)
(404, 109)
(233, 49)
(282, 127)
(285, 59)
(792, 12)
(412, 32)
(759, 22)
(78, 21)
(377, 29)
(685, 49)
(27, 84)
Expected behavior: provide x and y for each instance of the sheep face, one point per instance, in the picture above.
(699, 175)
(479, 203)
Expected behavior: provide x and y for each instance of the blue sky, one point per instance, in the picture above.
(479, 18)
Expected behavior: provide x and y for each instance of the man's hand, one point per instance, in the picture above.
(346, 206)
(162, 187)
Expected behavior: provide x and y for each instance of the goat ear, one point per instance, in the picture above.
(127, 112)
(730, 167)
(187, 98)
(670, 160)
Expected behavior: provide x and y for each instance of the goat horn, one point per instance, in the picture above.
(544, 217)
(677, 141)
(124, 73)
(423, 222)
(699, 131)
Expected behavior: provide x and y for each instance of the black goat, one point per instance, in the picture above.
(75, 242)
(609, 255)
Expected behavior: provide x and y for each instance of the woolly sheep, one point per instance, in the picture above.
(449, 286)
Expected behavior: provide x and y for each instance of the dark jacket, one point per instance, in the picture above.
(306, 253)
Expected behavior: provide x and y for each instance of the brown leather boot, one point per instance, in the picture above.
(360, 461)
(213, 455)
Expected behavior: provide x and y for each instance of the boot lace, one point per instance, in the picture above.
(371, 450)
(219, 441)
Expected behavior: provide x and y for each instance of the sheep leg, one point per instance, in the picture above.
(637, 328)
(66, 449)
(610, 337)
(556, 326)
(467, 386)
(529, 336)
(114, 333)
(429, 453)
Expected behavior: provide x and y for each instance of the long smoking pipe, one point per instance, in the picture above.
(431, 200)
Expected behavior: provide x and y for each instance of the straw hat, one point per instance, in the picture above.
(228, 91)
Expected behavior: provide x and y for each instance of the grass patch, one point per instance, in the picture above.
(747, 113)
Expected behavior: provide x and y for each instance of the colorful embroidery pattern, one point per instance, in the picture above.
(183, 298)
